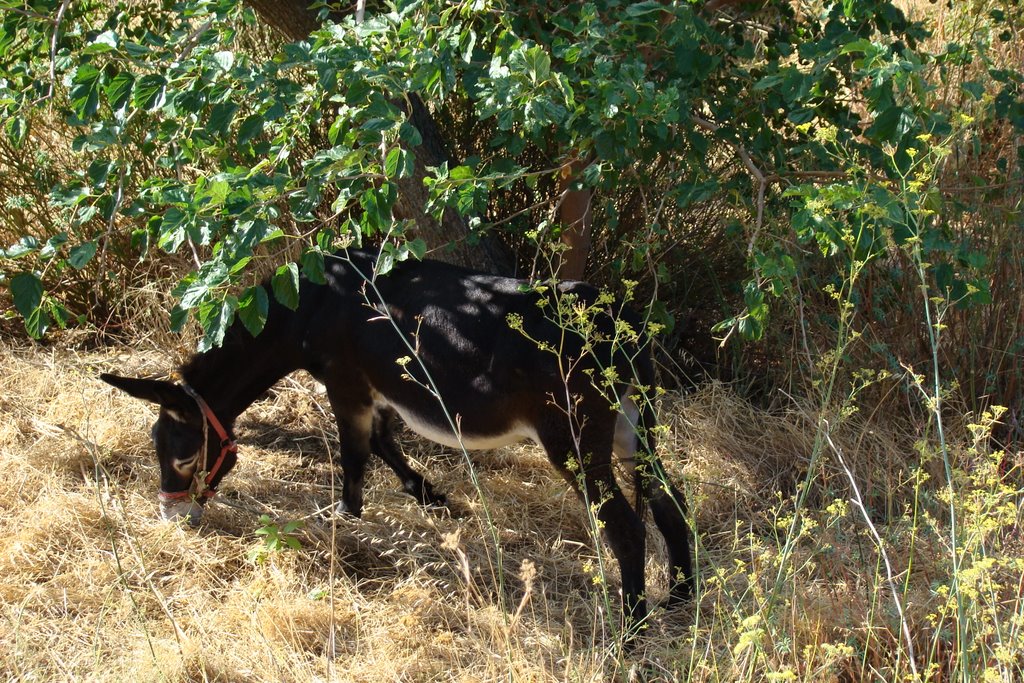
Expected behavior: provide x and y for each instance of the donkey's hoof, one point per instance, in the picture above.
(342, 509)
(188, 510)
(434, 500)
(679, 594)
(426, 495)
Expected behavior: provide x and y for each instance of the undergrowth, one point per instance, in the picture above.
(800, 577)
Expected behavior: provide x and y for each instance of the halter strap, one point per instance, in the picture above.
(201, 485)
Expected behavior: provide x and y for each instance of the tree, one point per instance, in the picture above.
(296, 20)
(623, 119)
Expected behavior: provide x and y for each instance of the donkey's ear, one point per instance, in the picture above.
(166, 394)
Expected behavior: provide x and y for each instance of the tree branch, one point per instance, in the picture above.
(762, 181)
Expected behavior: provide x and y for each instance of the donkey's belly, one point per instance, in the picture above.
(441, 431)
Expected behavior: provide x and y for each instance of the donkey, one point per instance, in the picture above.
(467, 360)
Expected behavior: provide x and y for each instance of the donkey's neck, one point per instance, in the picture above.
(230, 378)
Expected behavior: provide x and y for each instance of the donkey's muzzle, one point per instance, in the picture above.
(185, 508)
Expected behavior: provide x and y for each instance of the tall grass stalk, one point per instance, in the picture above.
(897, 600)
(933, 403)
(923, 171)
(826, 398)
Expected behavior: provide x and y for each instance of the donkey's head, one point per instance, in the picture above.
(189, 468)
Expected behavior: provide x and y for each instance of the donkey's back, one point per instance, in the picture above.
(436, 342)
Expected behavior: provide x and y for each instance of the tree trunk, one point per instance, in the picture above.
(576, 217)
(450, 238)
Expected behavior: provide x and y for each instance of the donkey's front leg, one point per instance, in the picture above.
(355, 451)
(355, 423)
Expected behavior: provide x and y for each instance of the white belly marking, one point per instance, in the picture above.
(446, 436)
(625, 443)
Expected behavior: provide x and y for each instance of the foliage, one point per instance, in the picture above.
(182, 139)
(275, 538)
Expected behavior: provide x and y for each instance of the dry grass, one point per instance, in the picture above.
(95, 588)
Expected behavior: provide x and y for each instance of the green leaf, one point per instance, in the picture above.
(538, 64)
(224, 59)
(185, 103)
(274, 112)
(68, 195)
(313, 266)
(98, 173)
(250, 233)
(325, 240)
(251, 127)
(85, 91)
(409, 135)
(863, 45)
(750, 329)
(16, 129)
(239, 265)
(376, 204)
(27, 291)
(211, 193)
(179, 316)
(119, 90)
(334, 132)
(52, 245)
(418, 248)
(26, 245)
(220, 118)
(975, 89)
(891, 125)
(378, 125)
(104, 42)
(253, 307)
(194, 294)
(82, 254)
(215, 317)
(150, 92)
(386, 262)
(172, 229)
(285, 284)
(58, 313)
(636, 9)
(136, 50)
(399, 164)
(768, 82)
(391, 162)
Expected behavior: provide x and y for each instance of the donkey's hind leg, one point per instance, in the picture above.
(589, 469)
(382, 442)
(635, 445)
(668, 507)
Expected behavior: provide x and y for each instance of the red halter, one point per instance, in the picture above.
(200, 487)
